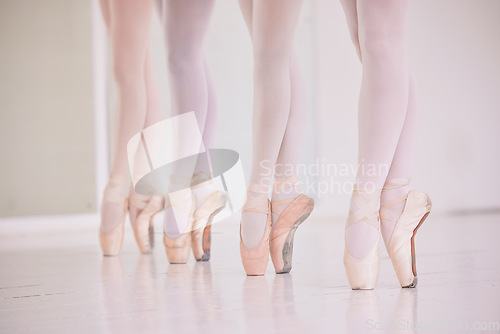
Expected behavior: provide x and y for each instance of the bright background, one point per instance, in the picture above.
(56, 97)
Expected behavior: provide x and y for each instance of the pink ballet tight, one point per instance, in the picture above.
(139, 105)
(185, 25)
(387, 111)
(279, 104)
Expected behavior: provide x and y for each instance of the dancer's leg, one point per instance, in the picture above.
(402, 165)
(271, 25)
(129, 31)
(154, 114)
(385, 85)
(381, 31)
(212, 109)
(286, 183)
(154, 110)
(203, 164)
(186, 25)
(203, 169)
(128, 26)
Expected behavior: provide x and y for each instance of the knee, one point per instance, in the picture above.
(377, 46)
(271, 57)
(127, 72)
(182, 61)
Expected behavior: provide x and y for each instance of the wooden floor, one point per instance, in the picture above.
(59, 283)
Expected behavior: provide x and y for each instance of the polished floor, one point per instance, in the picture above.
(59, 283)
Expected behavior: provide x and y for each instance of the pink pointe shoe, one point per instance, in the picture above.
(208, 206)
(201, 239)
(141, 211)
(362, 273)
(281, 243)
(255, 259)
(401, 247)
(179, 247)
(111, 240)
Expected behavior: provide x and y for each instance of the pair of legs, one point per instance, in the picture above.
(139, 105)
(280, 106)
(387, 111)
(185, 24)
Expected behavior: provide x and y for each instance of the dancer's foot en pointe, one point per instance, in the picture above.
(289, 210)
(362, 236)
(141, 212)
(400, 243)
(179, 208)
(113, 213)
(254, 238)
(208, 203)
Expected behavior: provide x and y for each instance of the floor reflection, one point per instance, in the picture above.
(256, 303)
(205, 297)
(285, 317)
(366, 312)
(114, 293)
(404, 314)
(264, 306)
(144, 295)
(363, 311)
(54, 291)
(178, 301)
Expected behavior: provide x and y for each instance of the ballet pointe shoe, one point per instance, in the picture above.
(142, 224)
(211, 205)
(111, 241)
(401, 246)
(179, 247)
(255, 259)
(282, 234)
(362, 273)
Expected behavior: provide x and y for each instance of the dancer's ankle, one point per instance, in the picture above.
(284, 187)
(254, 214)
(392, 204)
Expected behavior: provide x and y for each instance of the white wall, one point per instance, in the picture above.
(46, 127)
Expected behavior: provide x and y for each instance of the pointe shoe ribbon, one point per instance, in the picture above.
(111, 240)
(401, 247)
(362, 273)
(282, 234)
(178, 247)
(142, 224)
(255, 259)
(211, 204)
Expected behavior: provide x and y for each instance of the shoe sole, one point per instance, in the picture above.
(413, 257)
(151, 231)
(287, 252)
(207, 236)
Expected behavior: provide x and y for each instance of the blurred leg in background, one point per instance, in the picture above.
(128, 24)
(196, 201)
